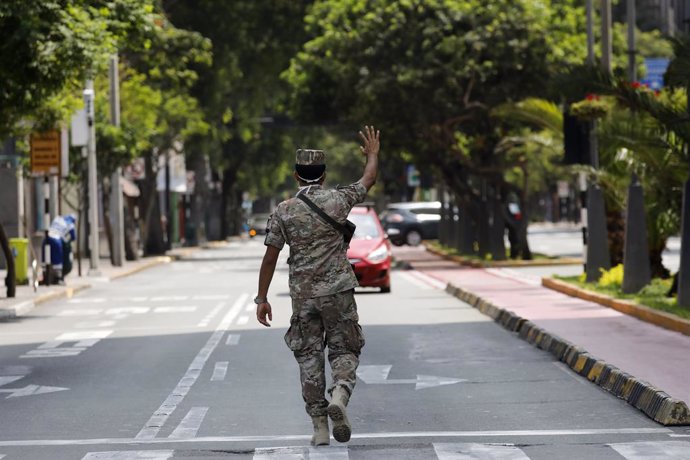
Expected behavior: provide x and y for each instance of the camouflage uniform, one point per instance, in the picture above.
(322, 285)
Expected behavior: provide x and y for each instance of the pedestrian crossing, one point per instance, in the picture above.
(642, 450)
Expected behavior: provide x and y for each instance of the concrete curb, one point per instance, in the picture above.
(503, 263)
(641, 312)
(23, 308)
(652, 401)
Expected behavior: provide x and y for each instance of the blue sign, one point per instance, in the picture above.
(655, 70)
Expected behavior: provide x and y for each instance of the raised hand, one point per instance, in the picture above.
(371, 141)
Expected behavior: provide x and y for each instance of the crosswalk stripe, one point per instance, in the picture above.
(190, 424)
(476, 451)
(302, 453)
(130, 455)
(653, 450)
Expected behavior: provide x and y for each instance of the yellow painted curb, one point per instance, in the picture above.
(641, 312)
(150, 264)
(68, 292)
(473, 263)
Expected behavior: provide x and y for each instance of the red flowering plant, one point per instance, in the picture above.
(592, 107)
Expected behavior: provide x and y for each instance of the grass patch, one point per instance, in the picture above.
(449, 251)
(653, 295)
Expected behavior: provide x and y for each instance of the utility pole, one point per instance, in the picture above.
(116, 203)
(89, 101)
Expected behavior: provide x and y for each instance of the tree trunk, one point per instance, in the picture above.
(200, 198)
(152, 228)
(105, 196)
(615, 225)
(11, 279)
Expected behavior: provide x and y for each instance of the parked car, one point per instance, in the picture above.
(410, 223)
(258, 224)
(370, 251)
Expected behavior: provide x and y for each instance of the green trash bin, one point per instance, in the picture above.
(20, 250)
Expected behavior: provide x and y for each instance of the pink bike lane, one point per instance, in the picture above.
(647, 352)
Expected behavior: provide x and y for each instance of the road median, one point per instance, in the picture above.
(478, 263)
(641, 312)
(652, 401)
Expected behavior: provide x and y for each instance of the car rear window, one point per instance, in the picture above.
(366, 226)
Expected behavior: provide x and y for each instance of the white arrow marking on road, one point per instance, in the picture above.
(6, 379)
(378, 375)
(30, 390)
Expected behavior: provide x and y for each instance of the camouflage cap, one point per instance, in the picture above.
(310, 157)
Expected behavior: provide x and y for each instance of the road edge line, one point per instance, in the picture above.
(652, 401)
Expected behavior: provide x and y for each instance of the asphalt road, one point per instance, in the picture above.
(170, 363)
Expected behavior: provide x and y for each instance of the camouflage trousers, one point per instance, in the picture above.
(316, 323)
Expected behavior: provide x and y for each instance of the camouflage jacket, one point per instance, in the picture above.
(318, 256)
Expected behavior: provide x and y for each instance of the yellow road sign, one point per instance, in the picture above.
(45, 152)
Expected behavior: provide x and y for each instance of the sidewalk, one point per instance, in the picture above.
(648, 353)
(26, 299)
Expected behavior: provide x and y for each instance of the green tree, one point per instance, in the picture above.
(241, 93)
(429, 74)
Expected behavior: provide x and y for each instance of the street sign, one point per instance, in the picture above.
(656, 68)
(45, 152)
(80, 128)
(413, 179)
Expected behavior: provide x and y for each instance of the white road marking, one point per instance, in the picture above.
(211, 297)
(158, 419)
(233, 339)
(92, 324)
(190, 424)
(301, 453)
(130, 455)
(30, 390)
(219, 371)
(127, 311)
(53, 353)
(413, 280)
(301, 437)
(187, 309)
(78, 336)
(250, 307)
(87, 300)
(168, 298)
(475, 451)
(81, 312)
(2, 456)
(7, 379)
(83, 339)
(654, 450)
(242, 320)
(378, 375)
(212, 314)
(430, 280)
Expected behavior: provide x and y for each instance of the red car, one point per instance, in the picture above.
(370, 251)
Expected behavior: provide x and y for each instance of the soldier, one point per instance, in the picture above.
(324, 312)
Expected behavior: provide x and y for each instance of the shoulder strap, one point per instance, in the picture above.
(322, 214)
